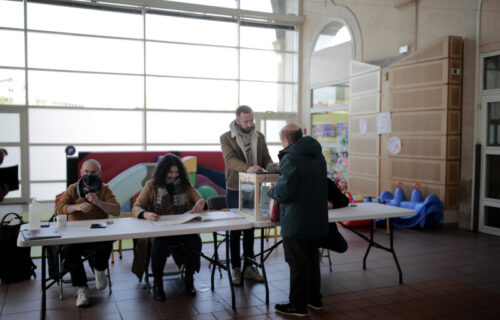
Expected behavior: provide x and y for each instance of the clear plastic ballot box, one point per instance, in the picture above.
(253, 198)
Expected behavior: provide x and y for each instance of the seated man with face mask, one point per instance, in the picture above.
(88, 198)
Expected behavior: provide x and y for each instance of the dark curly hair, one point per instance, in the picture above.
(163, 167)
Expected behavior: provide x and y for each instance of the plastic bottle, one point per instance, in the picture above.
(34, 213)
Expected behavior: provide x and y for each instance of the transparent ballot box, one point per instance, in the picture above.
(253, 198)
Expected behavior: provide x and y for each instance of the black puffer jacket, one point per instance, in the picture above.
(302, 190)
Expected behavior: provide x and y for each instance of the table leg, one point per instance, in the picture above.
(370, 244)
(228, 268)
(216, 257)
(44, 297)
(391, 231)
(262, 264)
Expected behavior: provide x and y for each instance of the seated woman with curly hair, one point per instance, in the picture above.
(170, 192)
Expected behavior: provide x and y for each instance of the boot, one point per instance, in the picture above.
(189, 285)
(158, 293)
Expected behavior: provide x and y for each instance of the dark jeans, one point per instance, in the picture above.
(72, 257)
(248, 235)
(161, 249)
(305, 279)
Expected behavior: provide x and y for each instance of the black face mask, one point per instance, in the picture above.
(91, 180)
(89, 184)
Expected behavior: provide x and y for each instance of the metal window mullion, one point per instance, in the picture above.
(144, 107)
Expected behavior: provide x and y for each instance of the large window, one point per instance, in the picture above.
(167, 77)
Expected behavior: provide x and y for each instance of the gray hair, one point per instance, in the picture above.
(94, 161)
(243, 109)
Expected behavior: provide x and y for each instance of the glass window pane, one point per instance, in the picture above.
(47, 163)
(84, 126)
(85, 90)
(267, 66)
(332, 35)
(191, 60)
(12, 53)
(179, 29)
(12, 87)
(331, 96)
(267, 38)
(283, 7)
(14, 194)
(272, 130)
(52, 51)
(268, 96)
(47, 190)
(89, 148)
(187, 127)
(85, 21)
(184, 148)
(492, 176)
(13, 158)
(493, 127)
(492, 216)
(491, 73)
(216, 3)
(191, 94)
(273, 152)
(10, 127)
(11, 14)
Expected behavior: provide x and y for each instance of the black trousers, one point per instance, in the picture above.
(302, 257)
(161, 248)
(72, 258)
(234, 239)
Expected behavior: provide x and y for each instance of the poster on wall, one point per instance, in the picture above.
(363, 125)
(331, 127)
(384, 123)
(394, 145)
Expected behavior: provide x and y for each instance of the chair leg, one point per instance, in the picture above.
(329, 260)
(275, 235)
(60, 281)
(120, 249)
(113, 256)
(109, 280)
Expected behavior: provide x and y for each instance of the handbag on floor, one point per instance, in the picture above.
(15, 262)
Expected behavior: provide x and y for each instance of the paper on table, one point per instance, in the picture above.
(45, 233)
(170, 220)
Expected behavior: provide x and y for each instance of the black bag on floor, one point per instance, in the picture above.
(15, 262)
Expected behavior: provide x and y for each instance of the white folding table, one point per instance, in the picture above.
(361, 211)
(126, 228)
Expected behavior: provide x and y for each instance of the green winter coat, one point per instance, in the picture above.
(302, 191)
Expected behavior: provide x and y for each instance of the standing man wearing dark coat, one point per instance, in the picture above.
(302, 193)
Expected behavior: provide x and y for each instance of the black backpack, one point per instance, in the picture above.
(15, 264)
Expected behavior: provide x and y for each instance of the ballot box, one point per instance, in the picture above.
(253, 198)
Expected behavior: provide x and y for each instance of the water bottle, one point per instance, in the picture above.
(34, 213)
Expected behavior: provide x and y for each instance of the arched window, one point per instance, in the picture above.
(332, 35)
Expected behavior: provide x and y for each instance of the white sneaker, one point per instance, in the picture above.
(83, 297)
(101, 280)
(236, 275)
(252, 273)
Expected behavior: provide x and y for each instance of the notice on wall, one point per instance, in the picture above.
(394, 145)
(384, 122)
(363, 125)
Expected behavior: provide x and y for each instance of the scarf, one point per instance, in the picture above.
(246, 137)
(172, 199)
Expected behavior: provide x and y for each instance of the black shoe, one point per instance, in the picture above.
(291, 310)
(316, 305)
(158, 293)
(189, 287)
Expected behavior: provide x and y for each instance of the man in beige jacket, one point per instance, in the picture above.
(244, 150)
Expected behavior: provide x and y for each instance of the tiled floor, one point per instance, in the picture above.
(447, 274)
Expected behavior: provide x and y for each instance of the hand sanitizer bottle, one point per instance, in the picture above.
(34, 213)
